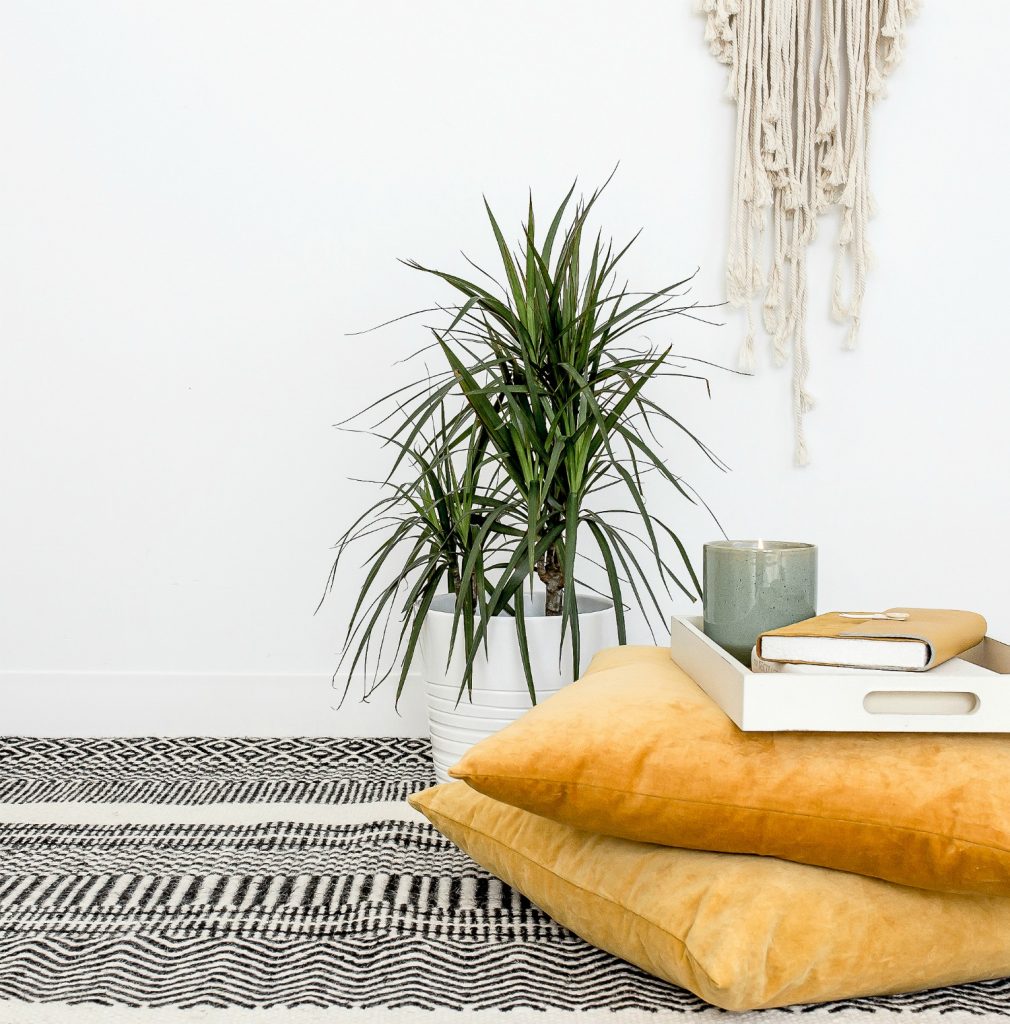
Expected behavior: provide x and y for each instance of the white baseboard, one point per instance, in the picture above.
(201, 704)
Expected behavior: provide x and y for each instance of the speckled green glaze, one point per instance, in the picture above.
(752, 586)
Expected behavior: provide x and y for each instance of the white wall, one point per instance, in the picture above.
(198, 199)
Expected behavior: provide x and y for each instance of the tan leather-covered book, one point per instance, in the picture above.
(898, 639)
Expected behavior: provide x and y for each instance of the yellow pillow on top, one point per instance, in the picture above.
(740, 932)
(636, 749)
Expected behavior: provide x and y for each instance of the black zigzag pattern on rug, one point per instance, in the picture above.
(201, 770)
(389, 972)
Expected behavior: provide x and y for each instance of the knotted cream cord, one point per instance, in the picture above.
(799, 153)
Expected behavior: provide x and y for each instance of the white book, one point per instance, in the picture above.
(854, 652)
(896, 640)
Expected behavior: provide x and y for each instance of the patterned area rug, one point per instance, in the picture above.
(176, 880)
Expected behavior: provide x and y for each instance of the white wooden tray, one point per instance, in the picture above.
(955, 697)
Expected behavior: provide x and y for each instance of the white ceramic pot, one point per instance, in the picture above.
(500, 694)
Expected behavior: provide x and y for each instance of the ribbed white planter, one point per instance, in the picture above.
(500, 694)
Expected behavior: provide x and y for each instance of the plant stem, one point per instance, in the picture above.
(552, 575)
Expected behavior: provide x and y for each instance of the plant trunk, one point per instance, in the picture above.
(456, 582)
(553, 578)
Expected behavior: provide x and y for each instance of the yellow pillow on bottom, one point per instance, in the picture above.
(742, 932)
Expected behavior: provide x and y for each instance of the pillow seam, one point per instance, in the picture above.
(739, 807)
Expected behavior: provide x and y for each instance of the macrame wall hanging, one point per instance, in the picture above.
(804, 75)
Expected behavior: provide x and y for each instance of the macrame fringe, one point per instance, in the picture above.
(798, 153)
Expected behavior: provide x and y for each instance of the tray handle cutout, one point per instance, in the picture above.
(920, 702)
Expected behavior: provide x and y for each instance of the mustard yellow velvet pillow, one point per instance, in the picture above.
(636, 749)
(740, 932)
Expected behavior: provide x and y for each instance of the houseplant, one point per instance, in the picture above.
(500, 463)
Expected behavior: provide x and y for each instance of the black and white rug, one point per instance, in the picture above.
(162, 881)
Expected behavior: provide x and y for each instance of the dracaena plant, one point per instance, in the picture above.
(525, 457)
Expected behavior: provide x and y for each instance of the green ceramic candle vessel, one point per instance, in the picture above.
(751, 586)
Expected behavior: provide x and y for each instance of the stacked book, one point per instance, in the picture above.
(897, 640)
